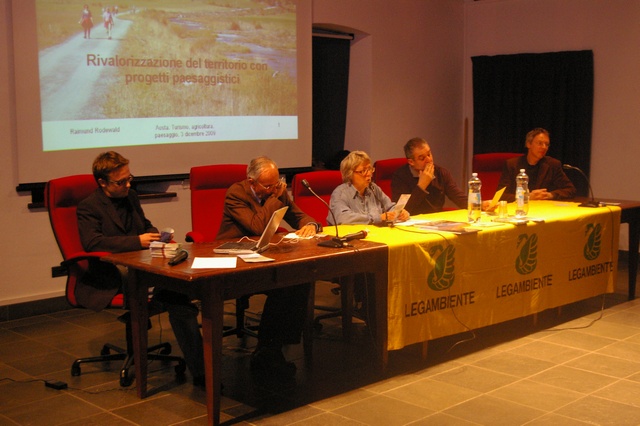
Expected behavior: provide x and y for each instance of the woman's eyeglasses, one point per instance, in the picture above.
(365, 172)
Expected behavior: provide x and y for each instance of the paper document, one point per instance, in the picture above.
(214, 262)
(447, 226)
(255, 258)
(402, 201)
(496, 197)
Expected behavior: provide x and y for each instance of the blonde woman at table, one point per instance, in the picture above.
(358, 200)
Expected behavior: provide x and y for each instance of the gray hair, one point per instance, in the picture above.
(351, 162)
(411, 145)
(258, 165)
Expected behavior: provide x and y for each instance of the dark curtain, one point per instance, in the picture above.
(513, 94)
(330, 86)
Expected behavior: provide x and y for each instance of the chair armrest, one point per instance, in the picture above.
(194, 237)
(83, 255)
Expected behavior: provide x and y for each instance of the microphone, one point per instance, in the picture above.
(386, 222)
(355, 236)
(592, 202)
(180, 257)
(334, 242)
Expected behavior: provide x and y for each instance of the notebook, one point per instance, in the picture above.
(246, 247)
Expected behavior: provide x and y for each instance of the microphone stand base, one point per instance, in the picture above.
(331, 243)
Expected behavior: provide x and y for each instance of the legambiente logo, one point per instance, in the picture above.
(439, 279)
(527, 260)
(594, 241)
(443, 273)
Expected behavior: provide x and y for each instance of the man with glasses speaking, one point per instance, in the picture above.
(111, 219)
(547, 180)
(248, 206)
(358, 200)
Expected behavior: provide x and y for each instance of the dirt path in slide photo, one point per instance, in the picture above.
(71, 90)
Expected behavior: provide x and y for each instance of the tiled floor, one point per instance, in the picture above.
(578, 365)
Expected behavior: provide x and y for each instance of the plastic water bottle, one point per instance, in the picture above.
(522, 194)
(474, 202)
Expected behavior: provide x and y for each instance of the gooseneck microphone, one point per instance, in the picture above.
(355, 236)
(180, 257)
(592, 202)
(335, 242)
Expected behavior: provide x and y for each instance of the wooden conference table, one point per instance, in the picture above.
(298, 263)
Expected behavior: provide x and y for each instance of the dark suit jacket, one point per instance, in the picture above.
(550, 176)
(429, 201)
(243, 215)
(101, 229)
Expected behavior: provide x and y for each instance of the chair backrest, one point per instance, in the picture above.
(209, 186)
(62, 196)
(489, 168)
(323, 182)
(384, 171)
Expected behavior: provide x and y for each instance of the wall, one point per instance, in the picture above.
(406, 74)
(611, 30)
(406, 81)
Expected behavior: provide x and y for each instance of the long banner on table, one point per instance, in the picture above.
(442, 283)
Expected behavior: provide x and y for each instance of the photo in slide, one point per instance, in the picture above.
(176, 71)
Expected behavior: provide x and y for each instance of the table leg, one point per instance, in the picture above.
(137, 299)
(634, 245)
(212, 323)
(381, 292)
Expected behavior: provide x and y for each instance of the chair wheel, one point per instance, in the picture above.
(105, 351)
(317, 327)
(75, 370)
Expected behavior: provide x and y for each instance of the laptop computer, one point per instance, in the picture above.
(247, 247)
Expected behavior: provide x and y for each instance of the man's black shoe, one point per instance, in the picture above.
(271, 361)
(199, 381)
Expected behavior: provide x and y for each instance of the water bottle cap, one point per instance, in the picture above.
(474, 174)
(521, 170)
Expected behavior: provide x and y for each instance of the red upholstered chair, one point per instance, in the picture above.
(323, 182)
(62, 196)
(209, 186)
(384, 171)
(489, 168)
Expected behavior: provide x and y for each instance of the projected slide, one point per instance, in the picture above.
(172, 71)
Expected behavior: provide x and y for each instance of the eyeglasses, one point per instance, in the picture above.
(121, 182)
(270, 187)
(545, 144)
(365, 172)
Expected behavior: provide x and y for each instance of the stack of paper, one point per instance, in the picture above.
(166, 250)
